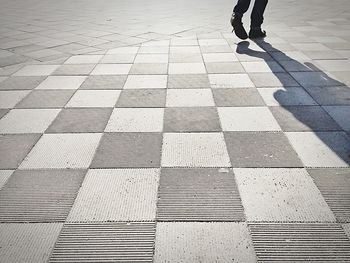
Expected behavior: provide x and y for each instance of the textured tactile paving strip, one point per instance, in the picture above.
(198, 195)
(39, 195)
(27, 242)
(203, 242)
(300, 243)
(107, 242)
(334, 185)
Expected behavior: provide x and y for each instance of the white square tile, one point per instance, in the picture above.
(123, 50)
(286, 96)
(194, 150)
(36, 70)
(117, 195)
(111, 69)
(187, 68)
(28, 120)
(189, 98)
(185, 49)
(61, 82)
(212, 42)
(203, 242)
(230, 81)
(285, 195)
(247, 119)
(84, 59)
(62, 151)
(94, 98)
(321, 149)
(118, 58)
(146, 82)
(341, 114)
(219, 57)
(184, 42)
(2, 78)
(152, 58)
(136, 120)
(262, 66)
(156, 43)
(9, 99)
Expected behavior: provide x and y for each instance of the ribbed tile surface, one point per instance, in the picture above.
(334, 185)
(107, 242)
(29, 243)
(198, 195)
(39, 196)
(300, 243)
(4, 176)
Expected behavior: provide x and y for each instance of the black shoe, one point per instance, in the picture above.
(236, 22)
(257, 33)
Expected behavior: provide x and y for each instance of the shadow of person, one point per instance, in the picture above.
(310, 111)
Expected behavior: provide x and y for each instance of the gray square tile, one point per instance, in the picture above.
(146, 82)
(330, 95)
(185, 58)
(133, 242)
(118, 58)
(66, 151)
(205, 189)
(14, 148)
(315, 79)
(104, 82)
(286, 96)
(332, 148)
(127, 150)
(224, 67)
(3, 112)
(80, 120)
(254, 149)
(230, 81)
(273, 80)
(4, 176)
(74, 70)
(18, 240)
(149, 68)
(36, 70)
(39, 195)
(180, 81)
(21, 83)
(9, 99)
(84, 59)
(305, 240)
(341, 114)
(334, 185)
(46, 99)
(117, 195)
(142, 98)
(203, 242)
(304, 118)
(191, 119)
(151, 58)
(281, 195)
(262, 66)
(111, 69)
(237, 97)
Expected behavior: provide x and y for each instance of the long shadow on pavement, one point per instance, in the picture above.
(307, 107)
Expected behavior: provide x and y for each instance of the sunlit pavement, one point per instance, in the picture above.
(145, 131)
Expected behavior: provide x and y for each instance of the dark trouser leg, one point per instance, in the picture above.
(241, 7)
(257, 16)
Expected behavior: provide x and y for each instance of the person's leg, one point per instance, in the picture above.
(257, 18)
(236, 19)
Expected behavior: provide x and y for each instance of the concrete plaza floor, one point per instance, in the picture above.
(145, 131)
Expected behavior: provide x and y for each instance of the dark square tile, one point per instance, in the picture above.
(21, 83)
(198, 195)
(80, 120)
(304, 118)
(14, 148)
(142, 98)
(46, 99)
(334, 185)
(237, 97)
(3, 112)
(126, 242)
(128, 150)
(316, 79)
(260, 149)
(39, 195)
(181, 81)
(72, 70)
(330, 95)
(104, 82)
(191, 119)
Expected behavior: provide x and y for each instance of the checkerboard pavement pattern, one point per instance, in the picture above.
(175, 147)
